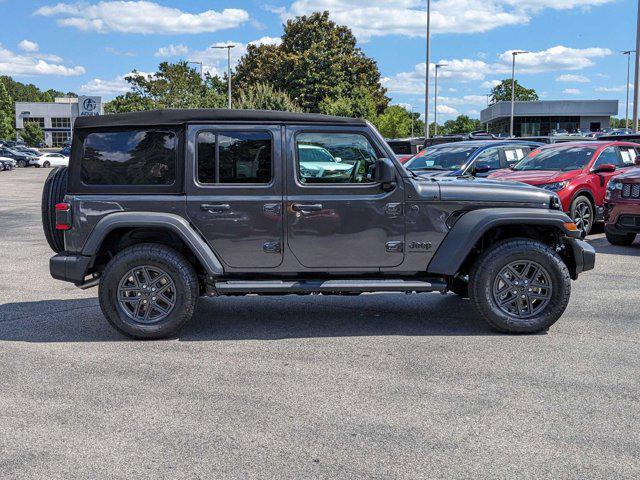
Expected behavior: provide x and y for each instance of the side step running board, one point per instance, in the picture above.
(328, 286)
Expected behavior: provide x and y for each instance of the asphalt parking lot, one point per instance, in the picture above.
(375, 386)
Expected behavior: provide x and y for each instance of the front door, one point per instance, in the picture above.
(337, 215)
(234, 195)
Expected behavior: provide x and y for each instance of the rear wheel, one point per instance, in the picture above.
(46, 164)
(582, 213)
(148, 291)
(22, 163)
(520, 286)
(54, 190)
(621, 239)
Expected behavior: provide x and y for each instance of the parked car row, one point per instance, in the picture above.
(594, 180)
(16, 154)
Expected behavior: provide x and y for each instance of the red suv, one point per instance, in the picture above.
(578, 172)
(622, 208)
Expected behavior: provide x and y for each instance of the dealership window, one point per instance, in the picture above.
(130, 157)
(234, 157)
(60, 122)
(60, 139)
(38, 120)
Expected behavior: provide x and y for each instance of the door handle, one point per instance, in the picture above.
(220, 207)
(306, 208)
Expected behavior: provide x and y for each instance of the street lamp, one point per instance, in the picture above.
(435, 100)
(228, 47)
(426, 87)
(513, 86)
(626, 115)
(198, 63)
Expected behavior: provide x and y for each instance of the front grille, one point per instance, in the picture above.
(629, 220)
(631, 190)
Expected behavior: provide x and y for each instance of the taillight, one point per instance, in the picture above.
(63, 216)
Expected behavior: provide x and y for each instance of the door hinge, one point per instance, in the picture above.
(272, 208)
(272, 247)
(393, 209)
(394, 247)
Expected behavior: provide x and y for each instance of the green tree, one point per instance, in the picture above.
(502, 92)
(263, 97)
(319, 65)
(32, 134)
(395, 122)
(7, 129)
(360, 104)
(462, 124)
(618, 122)
(174, 85)
(21, 92)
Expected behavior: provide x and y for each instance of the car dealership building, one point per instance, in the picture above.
(56, 118)
(542, 117)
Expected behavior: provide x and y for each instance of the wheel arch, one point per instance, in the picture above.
(478, 229)
(123, 229)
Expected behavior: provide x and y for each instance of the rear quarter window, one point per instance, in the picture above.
(135, 157)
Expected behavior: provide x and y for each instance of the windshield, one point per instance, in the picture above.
(558, 159)
(443, 158)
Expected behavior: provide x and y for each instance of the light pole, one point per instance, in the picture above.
(426, 87)
(435, 100)
(513, 87)
(636, 74)
(626, 115)
(228, 47)
(198, 63)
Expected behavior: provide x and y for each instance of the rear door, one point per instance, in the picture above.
(337, 215)
(234, 192)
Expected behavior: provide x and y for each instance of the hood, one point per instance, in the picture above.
(533, 177)
(433, 173)
(469, 189)
(631, 176)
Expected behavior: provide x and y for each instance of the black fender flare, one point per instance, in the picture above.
(470, 227)
(171, 221)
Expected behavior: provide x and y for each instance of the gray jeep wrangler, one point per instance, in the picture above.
(159, 208)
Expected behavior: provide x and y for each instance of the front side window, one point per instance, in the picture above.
(130, 157)
(628, 155)
(234, 157)
(608, 156)
(335, 158)
(489, 157)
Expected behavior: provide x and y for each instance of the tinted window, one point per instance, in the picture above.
(609, 156)
(335, 158)
(132, 157)
(489, 157)
(234, 157)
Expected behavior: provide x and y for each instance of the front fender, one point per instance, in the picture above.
(472, 225)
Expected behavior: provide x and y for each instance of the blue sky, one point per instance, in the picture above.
(88, 46)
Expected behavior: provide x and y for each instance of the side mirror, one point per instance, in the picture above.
(385, 172)
(481, 168)
(605, 168)
(637, 161)
(338, 159)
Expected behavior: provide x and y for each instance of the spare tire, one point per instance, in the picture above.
(55, 188)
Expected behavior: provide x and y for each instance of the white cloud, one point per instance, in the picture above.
(12, 63)
(172, 51)
(571, 78)
(554, 59)
(28, 46)
(141, 17)
(571, 91)
(114, 86)
(617, 88)
(446, 110)
(489, 84)
(119, 53)
(473, 112)
(407, 17)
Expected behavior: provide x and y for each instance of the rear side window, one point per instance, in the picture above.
(130, 157)
(234, 157)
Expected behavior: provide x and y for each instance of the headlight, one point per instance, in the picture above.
(554, 187)
(613, 185)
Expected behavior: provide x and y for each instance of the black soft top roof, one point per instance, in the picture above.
(182, 116)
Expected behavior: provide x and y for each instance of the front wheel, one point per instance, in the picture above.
(582, 213)
(520, 286)
(46, 164)
(22, 163)
(148, 291)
